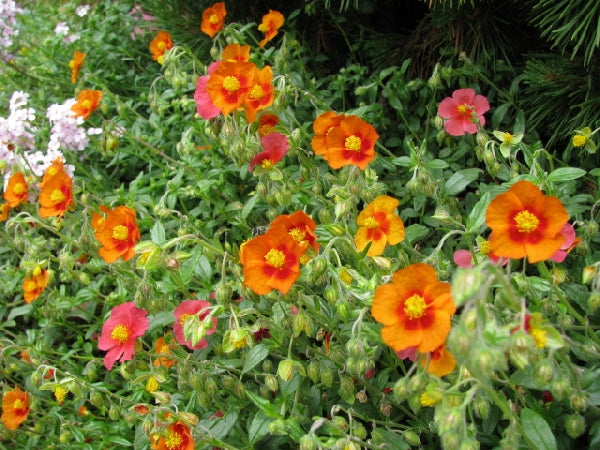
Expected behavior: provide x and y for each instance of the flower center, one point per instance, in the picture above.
(51, 171)
(267, 163)
(183, 317)
(18, 404)
(464, 108)
(507, 137)
(214, 19)
(161, 45)
(72, 64)
(120, 232)
(539, 336)
(265, 129)
(57, 196)
(298, 234)
(173, 440)
(371, 222)
(579, 140)
(526, 222)
(353, 143)
(120, 334)
(275, 258)
(415, 306)
(30, 286)
(164, 349)
(19, 189)
(86, 104)
(231, 83)
(485, 247)
(257, 92)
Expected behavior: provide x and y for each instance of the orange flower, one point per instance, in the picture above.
(352, 142)
(34, 285)
(236, 52)
(75, 64)
(213, 18)
(379, 225)
(525, 222)
(160, 45)
(56, 166)
(4, 210)
(266, 124)
(87, 101)
(271, 261)
(56, 195)
(15, 408)
(299, 226)
(229, 84)
(441, 361)
(415, 309)
(16, 190)
(321, 126)
(117, 232)
(260, 95)
(270, 25)
(176, 437)
(162, 348)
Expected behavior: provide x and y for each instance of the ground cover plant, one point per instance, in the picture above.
(210, 239)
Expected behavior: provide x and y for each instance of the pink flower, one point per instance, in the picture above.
(126, 323)
(571, 240)
(201, 308)
(276, 146)
(463, 258)
(463, 112)
(204, 105)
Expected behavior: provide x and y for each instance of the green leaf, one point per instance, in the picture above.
(255, 355)
(437, 164)
(538, 430)
(264, 405)
(476, 218)
(19, 311)
(157, 233)
(249, 206)
(402, 161)
(565, 174)
(498, 115)
(415, 232)
(203, 268)
(259, 427)
(460, 180)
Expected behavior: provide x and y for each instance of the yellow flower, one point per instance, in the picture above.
(579, 140)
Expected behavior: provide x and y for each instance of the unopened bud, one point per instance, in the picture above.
(114, 413)
(574, 425)
(411, 438)
(543, 372)
(272, 383)
(594, 301)
(285, 369)
(578, 401)
(346, 390)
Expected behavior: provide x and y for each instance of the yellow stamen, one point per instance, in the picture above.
(120, 333)
(51, 171)
(183, 317)
(462, 109)
(485, 247)
(371, 222)
(164, 349)
(353, 143)
(214, 19)
(298, 234)
(304, 259)
(415, 306)
(231, 84)
(526, 221)
(579, 140)
(257, 92)
(86, 104)
(161, 45)
(19, 189)
(57, 196)
(30, 286)
(275, 258)
(152, 384)
(507, 137)
(267, 164)
(72, 64)
(173, 440)
(539, 336)
(120, 232)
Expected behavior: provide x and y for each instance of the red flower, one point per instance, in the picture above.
(270, 25)
(525, 222)
(266, 124)
(275, 147)
(200, 308)
(463, 112)
(117, 232)
(570, 242)
(126, 323)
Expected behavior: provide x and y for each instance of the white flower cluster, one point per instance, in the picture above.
(8, 11)
(67, 132)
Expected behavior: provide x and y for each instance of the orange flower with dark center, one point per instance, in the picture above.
(160, 45)
(415, 309)
(272, 261)
(266, 124)
(16, 190)
(229, 84)
(260, 95)
(213, 19)
(34, 285)
(379, 225)
(525, 222)
(15, 408)
(117, 232)
(164, 351)
(176, 437)
(321, 126)
(270, 25)
(300, 226)
(87, 101)
(352, 142)
(4, 210)
(56, 195)
(75, 64)
(236, 52)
